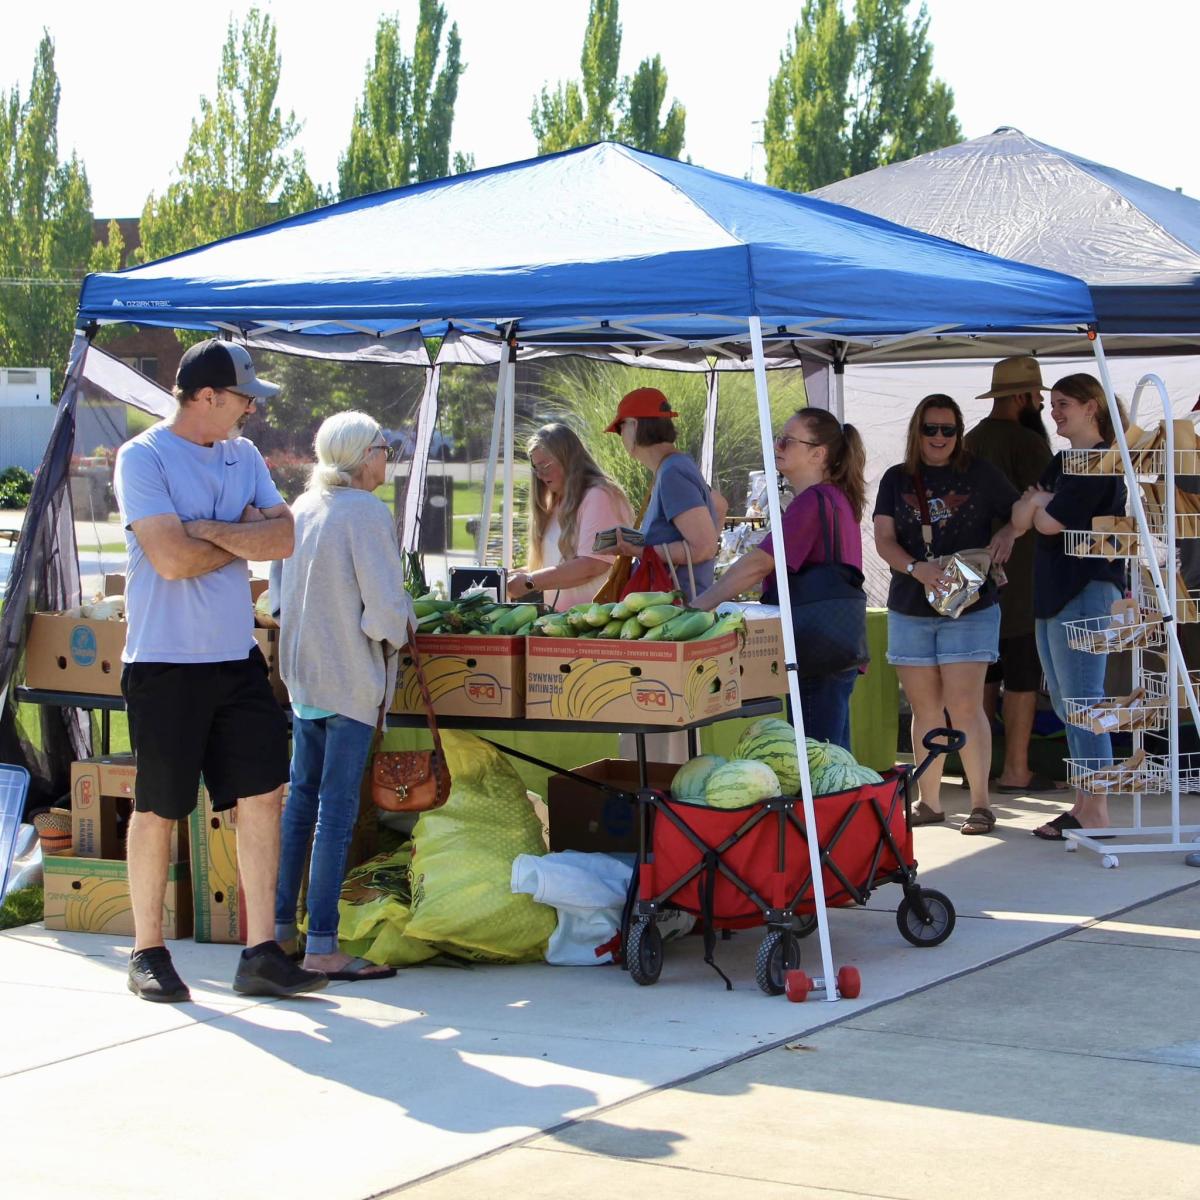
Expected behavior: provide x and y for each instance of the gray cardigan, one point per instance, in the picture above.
(342, 596)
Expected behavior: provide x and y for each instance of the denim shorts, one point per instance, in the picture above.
(935, 641)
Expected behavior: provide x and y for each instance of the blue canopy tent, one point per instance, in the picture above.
(602, 247)
(1135, 244)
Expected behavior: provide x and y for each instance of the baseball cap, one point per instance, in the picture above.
(641, 402)
(1015, 376)
(217, 364)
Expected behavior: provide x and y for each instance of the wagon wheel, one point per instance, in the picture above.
(931, 932)
(643, 953)
(778, 953)
(805, 925)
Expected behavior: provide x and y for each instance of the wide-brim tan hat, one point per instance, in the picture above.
(1013, 376)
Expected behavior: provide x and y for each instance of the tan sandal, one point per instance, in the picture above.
(923, 814)
(981, 820)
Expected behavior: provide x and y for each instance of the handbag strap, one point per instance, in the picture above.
(833, 542)
(426, 699)
(926, 520)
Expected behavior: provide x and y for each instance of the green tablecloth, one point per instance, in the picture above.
(874, 708)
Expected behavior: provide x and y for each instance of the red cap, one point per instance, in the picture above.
(641, 402)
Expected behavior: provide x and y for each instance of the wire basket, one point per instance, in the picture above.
(1187, 524)
(1090, 543)
(1155, 683)
(1145, 462)
(1106, 635)
(1103, 777)
(1110, 716)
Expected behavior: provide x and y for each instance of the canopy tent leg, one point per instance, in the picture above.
(839, 389)
(766, 436)
(414, 494)
(509, 417)
(709, 444)
(489, 477)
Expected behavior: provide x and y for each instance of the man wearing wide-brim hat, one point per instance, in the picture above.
(1013, 439)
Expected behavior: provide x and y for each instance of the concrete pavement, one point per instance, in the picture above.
(1068, 1070)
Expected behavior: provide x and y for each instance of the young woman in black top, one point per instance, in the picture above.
(1066, 588)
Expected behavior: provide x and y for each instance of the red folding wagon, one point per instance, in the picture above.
(736, 868)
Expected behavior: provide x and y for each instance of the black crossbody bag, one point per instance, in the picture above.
(829, 608)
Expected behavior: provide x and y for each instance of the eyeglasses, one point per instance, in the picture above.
(948, 431)
(541, 470)
(246, 400)
(389, 452)
(783, 442)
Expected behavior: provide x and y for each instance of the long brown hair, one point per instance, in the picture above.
(845, 454)
(580, 473)
(1083, 388)
(912, 450)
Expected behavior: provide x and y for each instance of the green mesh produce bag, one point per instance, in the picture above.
(462, 899)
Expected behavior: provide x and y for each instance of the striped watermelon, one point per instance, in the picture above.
(840, 777)
(690, 779)
(775, 746)
(764, 725)
(741, 782)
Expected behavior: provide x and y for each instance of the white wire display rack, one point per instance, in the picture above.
(1108, 634)
(1158, 590)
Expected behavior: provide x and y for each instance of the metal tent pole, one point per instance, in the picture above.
(789, 655)
(709, 445)
(489, 478)
(509, 405)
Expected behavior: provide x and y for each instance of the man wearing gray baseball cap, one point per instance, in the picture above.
(198, 504)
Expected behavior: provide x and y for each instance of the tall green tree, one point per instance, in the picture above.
(45, 225)
(241, 168)
(403, 123)
(854, 95)
(603, 105)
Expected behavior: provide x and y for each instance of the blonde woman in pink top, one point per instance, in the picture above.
(572, 501)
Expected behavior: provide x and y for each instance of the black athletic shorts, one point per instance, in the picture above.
(220, 720)
(1018, 665)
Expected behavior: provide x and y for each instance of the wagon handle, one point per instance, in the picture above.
(937, 742)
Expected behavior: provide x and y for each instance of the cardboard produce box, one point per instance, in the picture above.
(636, 683)
(763, 670)
(78, 654)
(216, 883)
(102, 791)
(91, 895)
(467, 676)
(586, 818)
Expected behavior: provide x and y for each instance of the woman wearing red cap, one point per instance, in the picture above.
(681, 518)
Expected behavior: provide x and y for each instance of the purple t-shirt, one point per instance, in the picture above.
(802, 540)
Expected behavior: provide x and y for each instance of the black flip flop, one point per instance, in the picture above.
(361, 969)
(1061, 822)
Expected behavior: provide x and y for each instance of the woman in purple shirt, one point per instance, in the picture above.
(823, 461)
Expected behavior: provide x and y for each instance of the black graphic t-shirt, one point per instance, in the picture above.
(963, 507)
(1059, 577)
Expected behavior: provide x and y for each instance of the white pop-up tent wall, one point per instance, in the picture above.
(602, 247)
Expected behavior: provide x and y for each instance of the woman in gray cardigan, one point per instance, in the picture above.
(342, 598)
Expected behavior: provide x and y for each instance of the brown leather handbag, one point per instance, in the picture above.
(411, 780)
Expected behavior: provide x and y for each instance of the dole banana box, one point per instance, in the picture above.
(76, 654)
(763, 671)
(633, 682)
(216, 886)
(467, 676)
(91, 895)
(102, 792)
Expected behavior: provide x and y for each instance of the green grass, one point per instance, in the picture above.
(22, 908)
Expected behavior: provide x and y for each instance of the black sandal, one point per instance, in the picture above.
(1061, 822)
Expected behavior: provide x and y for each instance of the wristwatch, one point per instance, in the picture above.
(912, 566)
(530, 586)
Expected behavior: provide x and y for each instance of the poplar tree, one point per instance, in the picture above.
(403, 123)
(45, 225)
(601, 104)
(240, 169)
(854, 95)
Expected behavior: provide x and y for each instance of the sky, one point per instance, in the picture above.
(1106, 79)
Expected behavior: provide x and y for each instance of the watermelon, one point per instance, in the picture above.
(741, 782)
(763, 725)
(840, 777)
(776, 747)
(690, 779)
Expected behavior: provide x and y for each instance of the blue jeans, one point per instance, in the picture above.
(1075, 673)
(329, 756)
(825, 706)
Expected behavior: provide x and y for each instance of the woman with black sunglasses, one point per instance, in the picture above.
(823, 461)
(941, 500)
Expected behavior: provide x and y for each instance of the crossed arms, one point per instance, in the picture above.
(183, 550)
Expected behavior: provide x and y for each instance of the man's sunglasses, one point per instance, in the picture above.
(948, 431)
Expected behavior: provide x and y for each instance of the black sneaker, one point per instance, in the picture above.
(152, 976)
(265, 970)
